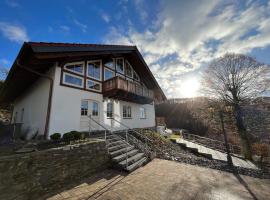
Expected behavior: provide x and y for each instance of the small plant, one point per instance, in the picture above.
(55, 136)
(68, 137)
(77, 135)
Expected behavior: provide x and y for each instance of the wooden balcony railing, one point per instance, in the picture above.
(118, 83)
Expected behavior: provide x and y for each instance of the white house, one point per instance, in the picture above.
(54, 87)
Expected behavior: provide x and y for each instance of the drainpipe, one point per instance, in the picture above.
(49, 99)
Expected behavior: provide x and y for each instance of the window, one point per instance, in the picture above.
(126, 111)
(109, 110)
(84, 108)
(135, 76)
(95, 109)
(120, 65)
(75, 67)
(128, 69)
(22, 113)
(109, 64)
(73, 80)
(108, 74)
(142, 113)
(93, 85)
(94, 69)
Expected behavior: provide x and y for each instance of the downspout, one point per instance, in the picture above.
(49, 99)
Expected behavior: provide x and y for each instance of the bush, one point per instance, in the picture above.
(55, 136)
(72, 135)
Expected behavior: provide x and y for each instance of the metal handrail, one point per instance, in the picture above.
(105, 136)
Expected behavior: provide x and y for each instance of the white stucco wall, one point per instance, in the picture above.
(66, 109)
(34, 102)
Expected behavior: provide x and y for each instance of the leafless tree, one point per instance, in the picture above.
(236, 79)
(3, 73)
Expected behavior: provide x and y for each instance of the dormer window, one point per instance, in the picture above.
(119, 62)
(76, 67)
(128, 70)
(94, 69)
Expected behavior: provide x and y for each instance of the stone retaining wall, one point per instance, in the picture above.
(32, 175)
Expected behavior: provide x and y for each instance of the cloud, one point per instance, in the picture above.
(13, 4)
(65, 28)
(187, 35)
(139, 5)
(82, 26)
(105, 17)
(14, 32)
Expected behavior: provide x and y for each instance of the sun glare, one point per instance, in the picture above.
(189, 88)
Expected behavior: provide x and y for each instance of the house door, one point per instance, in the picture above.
(89, 107)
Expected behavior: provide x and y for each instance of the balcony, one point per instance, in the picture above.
(125, 90)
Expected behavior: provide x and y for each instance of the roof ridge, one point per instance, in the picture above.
(75, 44)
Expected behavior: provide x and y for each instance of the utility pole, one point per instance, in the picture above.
(229, 158)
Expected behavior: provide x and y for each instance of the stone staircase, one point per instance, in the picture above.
(123, 154)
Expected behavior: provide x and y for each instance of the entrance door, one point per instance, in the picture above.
(89, 107)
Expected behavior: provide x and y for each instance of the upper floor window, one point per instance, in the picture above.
(135, 76)
(84, 108)
(109, 110)
(126, 111)
(93, 85)
(128, 69)
(119, 65)
(94, 69)
(109, 63)
(73, 80)
(142, 113)
(77, 67)
(95, 109)
(108, 74)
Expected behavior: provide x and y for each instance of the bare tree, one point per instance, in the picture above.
(236, 79)
(3, 73)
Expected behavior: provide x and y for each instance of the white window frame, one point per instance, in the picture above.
(86, 108)
(86, 86)
(109, 69)
(107, 110)
(113, 60)
(97, 108)
(136, 75)
(127, 116)
(71, 84)
(100, 73)
(123, 73)
(132, 71)
(144, 113)
(75, 63)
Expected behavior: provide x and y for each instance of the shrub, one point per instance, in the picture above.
(72, 135)
(55, 136)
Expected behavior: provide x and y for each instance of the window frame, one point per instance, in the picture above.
(144, 109)
(108, 69)
(136, 75)
(128, 108)
(83, 115)
(74, 63)
(90, 89)
(109, 103)
(100, 71)
(123, 73)
(71, 84)
(113, 67)
(95, 102)
(132, 71)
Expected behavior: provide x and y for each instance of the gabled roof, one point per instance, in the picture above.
(40, 56)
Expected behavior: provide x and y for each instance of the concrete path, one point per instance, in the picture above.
(217, 155)
(167, 180)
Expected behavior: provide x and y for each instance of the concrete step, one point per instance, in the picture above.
(137, 164)
(114, 148)
(120, 151)
(132, 159)
(122, 156)
(115, 143)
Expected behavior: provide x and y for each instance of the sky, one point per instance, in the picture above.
(177, 38)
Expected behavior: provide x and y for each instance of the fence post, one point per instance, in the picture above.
(126, 147)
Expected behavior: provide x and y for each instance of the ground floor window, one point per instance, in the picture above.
(142, 113)
(84, 108)
(109, 110)
(126, 111)
(95, 109)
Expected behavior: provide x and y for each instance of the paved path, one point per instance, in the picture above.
(167, 180)
(217, 155)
